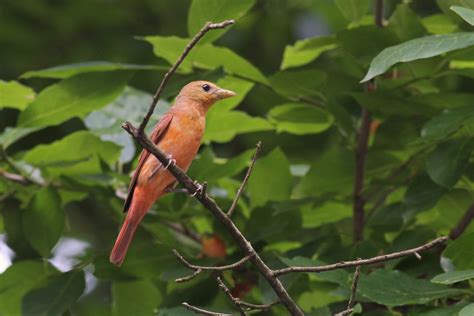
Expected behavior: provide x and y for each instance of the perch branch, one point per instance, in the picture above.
(234, 300)
(206, 28)
(13, 177)
(362, 262)
(350, 305)
(201, 311)
(198, 269)
(192, 187)
(244, 182)
(463, 223)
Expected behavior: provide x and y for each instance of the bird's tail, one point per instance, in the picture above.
(132, 220)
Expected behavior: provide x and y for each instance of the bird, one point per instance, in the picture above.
(178, 133)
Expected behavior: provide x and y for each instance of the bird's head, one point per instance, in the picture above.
(204, 92)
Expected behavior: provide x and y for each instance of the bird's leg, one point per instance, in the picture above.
(199, 189)
(171, 161)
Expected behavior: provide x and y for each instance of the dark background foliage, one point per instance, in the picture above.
(297, 66)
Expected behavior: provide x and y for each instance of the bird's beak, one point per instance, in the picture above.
(224, 94)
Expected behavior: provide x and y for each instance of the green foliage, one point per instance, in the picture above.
(296, 67)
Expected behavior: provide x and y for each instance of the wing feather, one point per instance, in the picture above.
(155, 136)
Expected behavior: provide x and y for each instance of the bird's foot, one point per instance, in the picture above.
(171, 161)
(199, 189)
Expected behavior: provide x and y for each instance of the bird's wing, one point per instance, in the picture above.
(155, 136)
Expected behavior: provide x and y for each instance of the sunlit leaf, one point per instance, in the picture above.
(453, 277)
(15, 95)
(461, 252)
(305, 51)
(465, 13)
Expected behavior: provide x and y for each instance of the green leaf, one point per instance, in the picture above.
(240, 86)
(447, 123)
(329, 212)
(205, 56)
(465, 13)
(44, 220)
(222, 126)
(453, 277)
(11, 134)
(405, 23)
(394, 288)
(305, 51)
(131, 106)
(420, 48)
(15, 95)
(467, 310)
(202, 11)
(56, 296)
(447, 162)
(353, 10)
(422, 194)
(274, 168)
(333, 172)
(66, 71)
(298, 83)
(73, 97)
(439, 24)
(461, 252)
(76, 149)
(17, 280)
(134, 298)
(300, 119)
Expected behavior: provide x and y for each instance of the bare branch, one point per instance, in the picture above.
(259, 306)
(198, 269)
(229, 295)
(13, 177)
(206, 28)
(201, 311)
(350, 304)
(362, 262)
(463, 223)
(244, 182)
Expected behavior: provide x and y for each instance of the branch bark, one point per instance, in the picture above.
(350, 305)
(362, 262)
(463, 223)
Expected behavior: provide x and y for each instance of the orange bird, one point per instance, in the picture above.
(178, 134)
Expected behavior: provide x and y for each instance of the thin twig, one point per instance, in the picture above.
(234, 300)
(244, 182)
(258, 306)
(350, 304)
(201, 311)
(463, 223)
(362, 262)
(15, 177)
(206, 28)
(198, 269)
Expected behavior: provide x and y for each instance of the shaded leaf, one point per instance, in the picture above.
(73, 97)
(17, 280)
(353, 10)
(447, 123)
(395, 288)
(15, 95)
(424, 47)
(56, 296)
(139, 297)
(202, 11)
(422, 194)
(300, 119)
(453, 277)
(298, 83)
(329, 212)
(44, 220)
(11, 134)
(405, 23)
(447, 162)
(271, 179)
(465, 13)
(461, 252)
(69, 70)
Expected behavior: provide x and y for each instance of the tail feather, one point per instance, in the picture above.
(130, 225)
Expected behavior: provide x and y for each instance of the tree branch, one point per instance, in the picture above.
(201, 311)
(229, 295)
(362, 262)
(198, 269)
(244, 182)
(350, 305)
(463, 223)
(13, 177)
(206, 28)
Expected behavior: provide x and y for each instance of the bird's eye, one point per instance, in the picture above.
(206, 87)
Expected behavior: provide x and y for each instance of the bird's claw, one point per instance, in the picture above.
(171, 161)
(198, 190)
